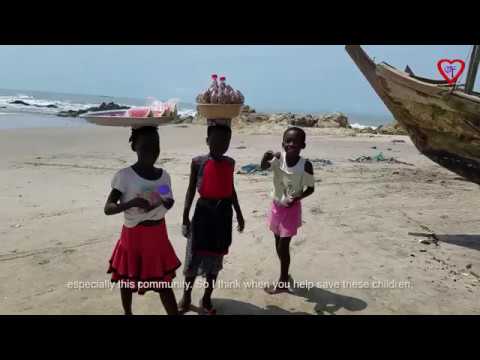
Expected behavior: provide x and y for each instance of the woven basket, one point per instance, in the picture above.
(219, 111)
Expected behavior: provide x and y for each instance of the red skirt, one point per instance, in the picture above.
(144, 259)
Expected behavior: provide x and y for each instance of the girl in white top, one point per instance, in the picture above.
(293, 181)
(143, 258)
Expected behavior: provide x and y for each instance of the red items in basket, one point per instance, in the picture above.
(220, 93)
(139, 112)
(156, 110)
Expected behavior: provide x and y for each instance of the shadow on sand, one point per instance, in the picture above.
(325, 302)
(469, 241)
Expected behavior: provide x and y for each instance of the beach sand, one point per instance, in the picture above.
(359, 246)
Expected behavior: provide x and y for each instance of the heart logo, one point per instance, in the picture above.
(449, 70)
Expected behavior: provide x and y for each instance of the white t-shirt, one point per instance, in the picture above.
(132, 185)
(289, 182)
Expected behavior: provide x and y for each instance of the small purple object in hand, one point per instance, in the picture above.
(164, 190)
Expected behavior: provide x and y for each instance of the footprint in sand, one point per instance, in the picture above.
(43, 262)
(68, 251)
(316, 211)
(299, 242)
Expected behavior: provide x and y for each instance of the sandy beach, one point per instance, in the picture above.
(358, 252)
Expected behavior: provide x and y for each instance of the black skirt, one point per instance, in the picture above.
(212, 226)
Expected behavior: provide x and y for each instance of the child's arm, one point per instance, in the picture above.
(238, 210)
(189, 198)
(309, 190)
(113, 207)
(267, 157)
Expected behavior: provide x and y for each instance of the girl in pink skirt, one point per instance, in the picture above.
(292, 181)
(143, 258)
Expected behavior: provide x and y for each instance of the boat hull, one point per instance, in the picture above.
(444, 124)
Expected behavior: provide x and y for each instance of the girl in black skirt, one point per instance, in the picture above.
(210, 232)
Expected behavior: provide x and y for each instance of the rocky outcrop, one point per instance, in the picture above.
(391, 129)
(335, 120)
(249, 117)
(20, 102)
(247, 109)
(103, 107)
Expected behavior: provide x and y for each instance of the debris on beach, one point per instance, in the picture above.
(379, 158)
(475, 274)
(320, 162)
(252, 169)
(424, 241)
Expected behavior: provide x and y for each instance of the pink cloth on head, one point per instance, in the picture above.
(285, 221)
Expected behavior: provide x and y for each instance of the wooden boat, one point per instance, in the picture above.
(442, 120)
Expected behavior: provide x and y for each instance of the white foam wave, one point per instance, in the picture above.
(40, 105)
(360, 126)
(187, 112)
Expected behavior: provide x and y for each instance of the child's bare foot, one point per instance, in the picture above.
(184, 304)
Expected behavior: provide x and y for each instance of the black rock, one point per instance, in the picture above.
(103, 107)
(52, 106)
(19, 102)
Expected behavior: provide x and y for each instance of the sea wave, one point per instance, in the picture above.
(360, 126)
(187, 112)
(35, 105)
(31, 104)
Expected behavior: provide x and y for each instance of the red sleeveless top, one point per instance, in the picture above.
(215, 177)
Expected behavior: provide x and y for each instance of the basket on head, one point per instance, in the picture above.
(219, 111)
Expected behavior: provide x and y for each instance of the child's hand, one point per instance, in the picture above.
(186, 227)
(241, 223)
(140, 203)
(293, 201)
(269, 155)
(167, 202)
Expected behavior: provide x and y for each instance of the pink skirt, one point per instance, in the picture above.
(144, 259)
(285, 221)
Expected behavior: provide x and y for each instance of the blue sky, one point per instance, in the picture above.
(282, 78)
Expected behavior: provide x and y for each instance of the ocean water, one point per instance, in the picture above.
(37, 114)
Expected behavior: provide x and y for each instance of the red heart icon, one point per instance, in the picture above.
(451, 73)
